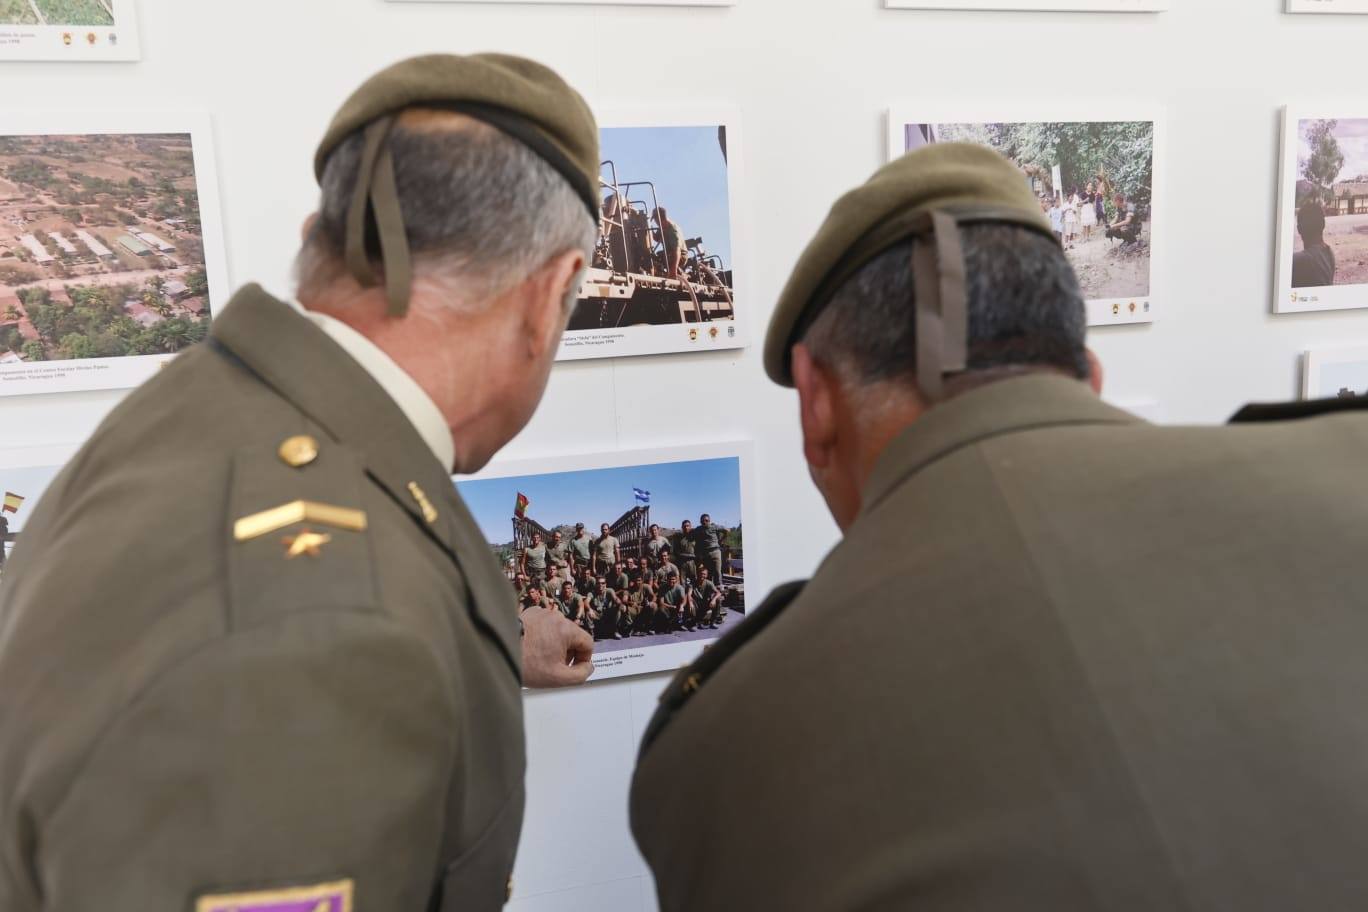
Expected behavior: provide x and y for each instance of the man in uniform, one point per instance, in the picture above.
(1061, 659)
(580, 547)
(672, 243)
(295, 677)
(685, 551)
(708, 540)
(558, 554)
(674, 601)
(605, 551)
(707, 599)
(655, 543)
(534, 558)
(666, 567)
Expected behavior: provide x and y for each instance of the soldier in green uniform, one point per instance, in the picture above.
(570, 602)
(293, 680)
(1060, 659)
(707, 599)
(674, 601)
(580, 549)
(666, 568)
(708, 540)
(605, 551)
(620, 577)
(685, 551)
(655, 542)
(533, 559)
(558, 555)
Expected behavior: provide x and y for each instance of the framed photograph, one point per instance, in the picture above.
(1339, 372)
(663, 276)
(24, 475)
(1323, 211)
(1327, 6)
(111, 252)
(68, 30)
(643, 549)
(1083, 6)
(1095, 175)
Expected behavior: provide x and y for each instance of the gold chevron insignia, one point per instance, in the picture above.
(276, 518)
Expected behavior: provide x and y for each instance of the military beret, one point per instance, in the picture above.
(924, 196)
(519, 97)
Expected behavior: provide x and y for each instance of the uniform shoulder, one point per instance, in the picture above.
(693, 677)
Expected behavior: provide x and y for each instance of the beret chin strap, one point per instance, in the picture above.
(942, 304)
(377, 195)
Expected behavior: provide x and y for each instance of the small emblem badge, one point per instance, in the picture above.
(327, 897)
(299, 451)
(66, 38)
(1116, 309)
(693, 335)
(429, 511)
(91, 38)
(306, 542)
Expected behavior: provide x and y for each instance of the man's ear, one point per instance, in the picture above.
(551, 287)
(1094, 371)
(307, 228)
(817, 391)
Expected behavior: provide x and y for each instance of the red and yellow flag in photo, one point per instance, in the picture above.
(12, 502)
(520, 508)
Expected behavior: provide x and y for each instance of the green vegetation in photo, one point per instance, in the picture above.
(75, 12)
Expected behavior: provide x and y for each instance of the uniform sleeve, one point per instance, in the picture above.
(314, 750)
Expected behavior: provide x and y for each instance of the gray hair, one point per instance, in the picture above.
(1025, 311)
(480, 208)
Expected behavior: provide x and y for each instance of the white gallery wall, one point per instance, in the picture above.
(812, 80)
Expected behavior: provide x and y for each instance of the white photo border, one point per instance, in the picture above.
(47, 42)
(589, 2)
(129, 371)
(1328, 7)
(1049, 6)
(1110, 311)
(624, 663)
(1317, 359)
(1286, 299)
(673, 338)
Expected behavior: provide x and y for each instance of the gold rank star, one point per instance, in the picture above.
(306, 542)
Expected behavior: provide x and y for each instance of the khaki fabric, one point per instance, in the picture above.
(1063, 660)
(182, 713)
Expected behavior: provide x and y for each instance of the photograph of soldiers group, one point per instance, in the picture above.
(638, 580)
(664, 248)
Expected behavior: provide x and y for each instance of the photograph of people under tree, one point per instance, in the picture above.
(1095, 182)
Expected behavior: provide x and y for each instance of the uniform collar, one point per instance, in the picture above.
(412, 400)
(1032, 401)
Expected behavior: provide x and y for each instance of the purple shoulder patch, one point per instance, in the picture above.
(326, 897)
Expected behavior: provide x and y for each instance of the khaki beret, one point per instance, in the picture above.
(960, 183)
(519, 97)
(534, 100)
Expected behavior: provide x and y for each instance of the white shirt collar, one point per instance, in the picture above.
(416, 404)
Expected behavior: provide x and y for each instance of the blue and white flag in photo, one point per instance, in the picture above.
(642, 496)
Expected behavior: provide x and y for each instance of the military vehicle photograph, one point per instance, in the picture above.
(664, 251)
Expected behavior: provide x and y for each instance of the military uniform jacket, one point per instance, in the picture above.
(1063, 660)
(188, 713)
